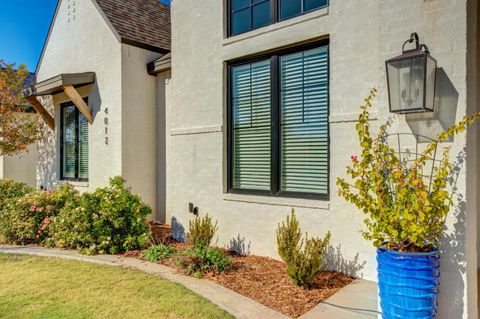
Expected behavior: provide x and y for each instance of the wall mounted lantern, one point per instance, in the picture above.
(411, 79)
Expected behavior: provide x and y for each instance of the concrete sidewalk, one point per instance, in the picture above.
(356, 301)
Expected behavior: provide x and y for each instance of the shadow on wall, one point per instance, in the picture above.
(95, 100)
(238, 245)
(431, 124)
(178, 231)
(452, 264)
(336, 261)
(46, 152)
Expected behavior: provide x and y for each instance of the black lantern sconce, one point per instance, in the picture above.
(411, 79)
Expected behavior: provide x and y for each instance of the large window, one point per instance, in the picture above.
(278, 141)
(247, 15)
(73, 144)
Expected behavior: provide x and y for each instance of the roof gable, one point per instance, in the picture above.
(142, 23)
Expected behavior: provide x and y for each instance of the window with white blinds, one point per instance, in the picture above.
(82, 148)
(251, 125)
(69, 153)
(74, 144)
(304, 124)
(278, 123)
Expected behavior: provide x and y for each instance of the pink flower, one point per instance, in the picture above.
(33, 208)
(354, 158)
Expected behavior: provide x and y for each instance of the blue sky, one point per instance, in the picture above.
(23, 28)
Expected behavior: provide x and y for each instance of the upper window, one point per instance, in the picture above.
(292, 8)
(247, 15)
(74, 144)
(278, 124)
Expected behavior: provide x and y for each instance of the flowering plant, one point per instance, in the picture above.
(404, 211)
(27, 219)
(109, 220)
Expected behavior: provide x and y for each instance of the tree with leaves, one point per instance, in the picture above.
(18, 127)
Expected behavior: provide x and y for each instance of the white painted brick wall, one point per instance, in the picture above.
(363, 34)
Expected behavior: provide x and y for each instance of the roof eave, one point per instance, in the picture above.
(144, 46)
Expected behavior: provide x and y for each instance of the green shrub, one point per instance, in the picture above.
(109, 220)
(305, 258)
(199, 260)
(10, 189)
(201, 231)
(158, 252)
(27, 219)
(306, 263)
(288, 237)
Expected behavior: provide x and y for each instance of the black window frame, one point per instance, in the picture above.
(302, 12)
(63, 106)
(275, 161)
(274, 15)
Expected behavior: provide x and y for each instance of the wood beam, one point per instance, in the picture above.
(77, 99)
(37, 105)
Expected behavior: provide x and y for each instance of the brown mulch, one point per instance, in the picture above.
(265, 280)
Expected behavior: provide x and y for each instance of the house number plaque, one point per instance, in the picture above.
(105, 121)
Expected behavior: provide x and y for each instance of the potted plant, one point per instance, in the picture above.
(405, 214)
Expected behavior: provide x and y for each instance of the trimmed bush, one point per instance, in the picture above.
(27, 219)
(201, 231)
(158, 252)
(288, 237)
(109, 220)
(305, 258)
(306, 263)
(10, 189)
(199, 260)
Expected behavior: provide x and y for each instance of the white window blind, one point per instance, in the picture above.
(251, 87)
(304, 121)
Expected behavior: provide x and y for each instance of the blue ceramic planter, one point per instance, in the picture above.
(408, 284)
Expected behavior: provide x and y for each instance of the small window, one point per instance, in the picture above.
(248, 15)
(278, 140)
(293, 8)
(73, 144)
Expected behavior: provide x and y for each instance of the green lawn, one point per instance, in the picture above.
(34, 287)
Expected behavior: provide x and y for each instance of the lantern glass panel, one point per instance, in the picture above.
(431, 81)
(406, 78)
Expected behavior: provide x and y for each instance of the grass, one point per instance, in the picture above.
(35, 287)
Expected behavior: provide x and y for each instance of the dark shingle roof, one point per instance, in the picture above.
(144, 23)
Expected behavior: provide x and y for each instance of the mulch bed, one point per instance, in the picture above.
(265, 280)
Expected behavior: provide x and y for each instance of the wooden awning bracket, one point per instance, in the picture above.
(37, 105)
(77, 99)
(65, 82)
